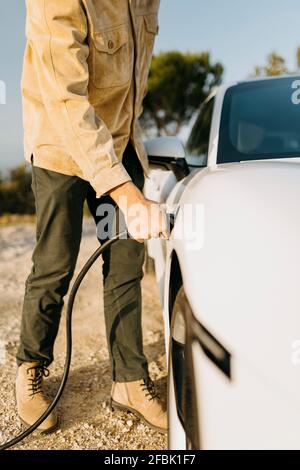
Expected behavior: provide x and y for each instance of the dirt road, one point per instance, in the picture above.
(87, 422)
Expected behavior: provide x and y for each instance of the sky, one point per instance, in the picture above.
(238, 33)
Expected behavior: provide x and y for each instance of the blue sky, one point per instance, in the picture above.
(239, 33)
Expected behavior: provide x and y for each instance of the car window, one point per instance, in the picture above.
(198, 142)
(260, 120)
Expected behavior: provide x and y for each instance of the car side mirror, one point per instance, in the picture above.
(168, 153)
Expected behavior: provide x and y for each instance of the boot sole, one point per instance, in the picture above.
(41, 431)
(117, 406)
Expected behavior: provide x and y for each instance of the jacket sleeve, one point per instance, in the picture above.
(57, 31)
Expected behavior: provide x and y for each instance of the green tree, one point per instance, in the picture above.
(178, 83)
(298, 59)
(276, 65)
(15, 194)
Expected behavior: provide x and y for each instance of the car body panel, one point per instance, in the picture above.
(245, 276)
(247, 413)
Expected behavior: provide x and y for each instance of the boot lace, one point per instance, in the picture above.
(35, 385)
(149, 387)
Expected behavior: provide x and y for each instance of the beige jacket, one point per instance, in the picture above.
(85, 76)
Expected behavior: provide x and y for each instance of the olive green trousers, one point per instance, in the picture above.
(59, 207)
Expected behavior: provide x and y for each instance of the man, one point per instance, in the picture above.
(85, 75)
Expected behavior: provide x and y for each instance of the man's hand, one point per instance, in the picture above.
(144, 218)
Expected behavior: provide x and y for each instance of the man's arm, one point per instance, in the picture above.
(57, 31)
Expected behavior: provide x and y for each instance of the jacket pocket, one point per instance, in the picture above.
(111, 57)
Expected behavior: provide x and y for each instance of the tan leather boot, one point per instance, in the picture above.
(140, 398)
(31, 401)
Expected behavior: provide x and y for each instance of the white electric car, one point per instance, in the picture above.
(229, 276)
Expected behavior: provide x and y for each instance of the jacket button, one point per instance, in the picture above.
(110, 44)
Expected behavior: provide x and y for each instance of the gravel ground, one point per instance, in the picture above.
(86, 419)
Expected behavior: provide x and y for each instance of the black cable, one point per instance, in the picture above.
(69, 313)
